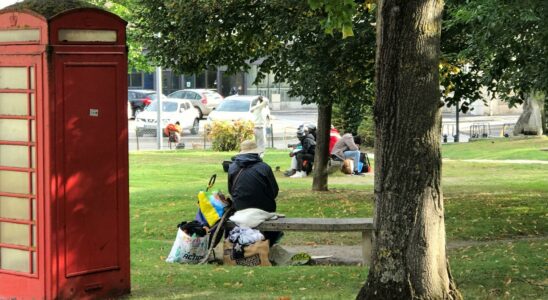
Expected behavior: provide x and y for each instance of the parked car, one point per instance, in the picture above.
(139, 99)
(203, 100)
(237, 108)
(173, 110)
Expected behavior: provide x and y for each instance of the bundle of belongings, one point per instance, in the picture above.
(191, 243)
(246, 247)
(195, 240)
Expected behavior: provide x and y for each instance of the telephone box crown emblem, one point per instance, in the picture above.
(13, 20)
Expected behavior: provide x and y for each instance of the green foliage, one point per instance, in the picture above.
(126, 10)
(286, 36)
(502, 45)
(228, 135)
(339, 14)
(366, 130)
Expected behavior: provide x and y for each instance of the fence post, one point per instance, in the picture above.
(271, 136)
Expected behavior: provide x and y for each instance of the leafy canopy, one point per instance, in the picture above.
(285, 36)
(500, 44)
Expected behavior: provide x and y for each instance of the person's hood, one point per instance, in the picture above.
(247, 159)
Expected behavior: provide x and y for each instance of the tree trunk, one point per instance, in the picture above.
(409, 259)
(321, 158)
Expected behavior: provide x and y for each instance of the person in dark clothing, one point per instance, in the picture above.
(306, 154)
(251, 182)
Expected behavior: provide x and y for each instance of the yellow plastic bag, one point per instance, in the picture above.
(211, 204)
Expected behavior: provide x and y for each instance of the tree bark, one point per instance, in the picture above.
(321, 158)
(409, 259)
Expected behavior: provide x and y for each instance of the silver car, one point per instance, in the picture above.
(203, 100)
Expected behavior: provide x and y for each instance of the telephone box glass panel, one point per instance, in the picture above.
(14, 208)
(13, 104)
(14, 260)
(19, 35)
(14, 130)
(14, 182)
(84, 35)
(15, 234)
(14, 156)
(13, 78)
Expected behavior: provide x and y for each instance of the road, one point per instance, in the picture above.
(285, 123)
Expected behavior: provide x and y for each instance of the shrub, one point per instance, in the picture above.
(227, 135)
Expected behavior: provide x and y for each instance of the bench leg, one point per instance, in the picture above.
(366, 247)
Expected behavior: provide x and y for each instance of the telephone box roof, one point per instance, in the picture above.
(49, 8)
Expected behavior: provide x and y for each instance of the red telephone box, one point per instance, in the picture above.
(64, 204)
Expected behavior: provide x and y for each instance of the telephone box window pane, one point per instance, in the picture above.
(14, 156)
(14, 182)
(32, 105)
(32, 131)
(13, 104)
(34, 209)
(34, 263)
(19, 35)
(14, 208)
(32, 78)
(13, 78)
(32, 157)
(81, 35)
(14, 130)
(33, 191)
(14, 260)
(34, 236)
(15, 234)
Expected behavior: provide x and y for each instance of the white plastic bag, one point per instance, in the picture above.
(187, 249)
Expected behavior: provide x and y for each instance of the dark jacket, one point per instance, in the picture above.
(255, 186)
(309, 144)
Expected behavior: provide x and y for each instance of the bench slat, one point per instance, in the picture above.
(318, 224)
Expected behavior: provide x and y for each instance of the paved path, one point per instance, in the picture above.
(352, 255)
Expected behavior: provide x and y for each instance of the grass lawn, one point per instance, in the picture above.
(484, 202)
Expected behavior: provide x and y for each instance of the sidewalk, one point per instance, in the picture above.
(352, 254)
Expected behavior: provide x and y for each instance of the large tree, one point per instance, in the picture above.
(409, 259)
(189, 36)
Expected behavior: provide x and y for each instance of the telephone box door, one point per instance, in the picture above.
(90, 153)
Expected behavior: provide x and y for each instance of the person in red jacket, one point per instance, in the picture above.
(334, 136)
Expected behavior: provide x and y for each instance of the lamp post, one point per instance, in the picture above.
(159, 134)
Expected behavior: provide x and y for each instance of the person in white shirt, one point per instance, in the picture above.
(260, 123)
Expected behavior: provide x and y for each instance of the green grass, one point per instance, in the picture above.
(483, 201)
(514, 148)
(509, 270)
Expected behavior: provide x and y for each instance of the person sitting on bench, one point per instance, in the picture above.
(346, 148)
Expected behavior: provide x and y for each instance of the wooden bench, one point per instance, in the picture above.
(364, 225)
